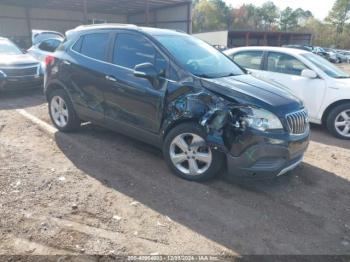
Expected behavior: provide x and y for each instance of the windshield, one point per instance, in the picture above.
(9, 48)
(198, 57)
(326, 66)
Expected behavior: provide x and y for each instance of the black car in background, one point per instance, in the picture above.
(321, 52)
(17, 69)
(302, 47)
(180, 94)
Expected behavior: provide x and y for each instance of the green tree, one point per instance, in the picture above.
(288, 19)
(291, 20)
(246, 17)
(208, 16)
(303, 14)
(339, 16)
(226, 12)
(253, 15)
(269, 14)
(323, 34)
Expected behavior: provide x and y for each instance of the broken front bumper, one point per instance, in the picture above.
(269, 158)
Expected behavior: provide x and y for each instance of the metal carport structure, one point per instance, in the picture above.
(19, 17)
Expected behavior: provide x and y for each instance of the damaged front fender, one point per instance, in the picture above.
(220, 118)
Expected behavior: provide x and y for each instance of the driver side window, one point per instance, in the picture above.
(284, 64)
(131, 50)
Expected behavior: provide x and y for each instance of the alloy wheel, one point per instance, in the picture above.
(59, 111)
(342, 123)
(190, 154)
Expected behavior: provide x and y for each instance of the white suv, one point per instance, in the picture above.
(324, 88)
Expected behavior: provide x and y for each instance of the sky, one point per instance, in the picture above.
(319, 8)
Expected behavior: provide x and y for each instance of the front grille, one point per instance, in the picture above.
(298, 122)
(20, 71)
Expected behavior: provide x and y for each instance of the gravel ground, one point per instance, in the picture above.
(98, 192)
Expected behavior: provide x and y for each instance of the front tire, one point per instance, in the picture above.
(62, 112)
(338, 121)
(188, 155)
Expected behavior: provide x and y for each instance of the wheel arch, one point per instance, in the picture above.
(58, 85)
(54, 85)
(177, 122)
(331, 107)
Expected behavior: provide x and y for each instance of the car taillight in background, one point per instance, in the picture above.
(49, 60)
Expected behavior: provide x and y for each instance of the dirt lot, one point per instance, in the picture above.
(97, 192)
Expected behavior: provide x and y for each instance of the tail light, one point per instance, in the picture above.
(49, 60)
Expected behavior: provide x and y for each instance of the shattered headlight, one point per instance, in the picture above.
(262, 120)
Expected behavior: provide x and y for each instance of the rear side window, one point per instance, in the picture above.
(284, 64)
(77, 46)
(249, 59)
(93, 45)
(49, 45)
(131, 50)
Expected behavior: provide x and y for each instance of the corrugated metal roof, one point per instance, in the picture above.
(100, 6)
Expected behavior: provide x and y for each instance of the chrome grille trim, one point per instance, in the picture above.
(21, 71)
(298, 122)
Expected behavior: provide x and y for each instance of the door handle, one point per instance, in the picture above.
(111, 78)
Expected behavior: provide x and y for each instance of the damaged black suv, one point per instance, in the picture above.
(176, 92)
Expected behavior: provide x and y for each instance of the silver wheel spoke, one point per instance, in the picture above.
(197, 141)
(179, 158)
(60, 103)
(345, 115)
(181, 143)
(56, 115)
(65, 113)
(193, 167)
(346, 130)
(55, 104)
(62, 120)
(339, 124)
(203, 157)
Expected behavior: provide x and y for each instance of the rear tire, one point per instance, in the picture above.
(338, 121)
(62, 112)
(187, 154)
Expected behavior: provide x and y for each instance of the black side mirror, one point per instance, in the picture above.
(147, 71)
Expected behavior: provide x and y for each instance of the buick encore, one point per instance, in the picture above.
(173, 91)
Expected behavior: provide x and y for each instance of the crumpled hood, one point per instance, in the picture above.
(16, 60)
(246, 89)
